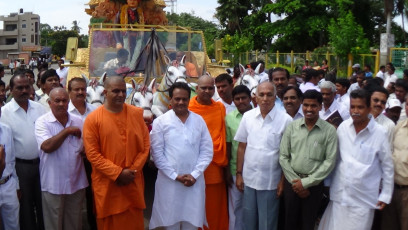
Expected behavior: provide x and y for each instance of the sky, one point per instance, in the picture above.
(57, 12)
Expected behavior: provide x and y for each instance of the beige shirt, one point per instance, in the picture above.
(400, 153)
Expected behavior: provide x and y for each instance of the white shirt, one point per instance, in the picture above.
(389, 78)
(44, 101)
(380, 74)
(88, 110)
(263, 77)
(308, 86)
(22, 124)
(364, 161)
(262, 170)
(299, 113)
(62, 171)
(344, 100)
(179, 148)
(403, 114)
(228, 107)
(388, 124)
(344, 113)
(353, 86)
(6, 139)
(63, 73)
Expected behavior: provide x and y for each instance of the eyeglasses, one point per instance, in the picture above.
(376, 100)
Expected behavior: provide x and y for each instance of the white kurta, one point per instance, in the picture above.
(364, 161)
(179, 148)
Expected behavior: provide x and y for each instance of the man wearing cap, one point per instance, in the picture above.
(394, 216)
(393, 109)
(356, 68)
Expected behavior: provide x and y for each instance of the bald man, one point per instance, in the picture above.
(117, 144)
(213, 114)
(259, 174)
(62, 172)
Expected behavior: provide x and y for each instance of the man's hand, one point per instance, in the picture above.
(125, 177)
(189, 180)
(74, 131)
(2, 159)
(240, 183)
(279, 190)
(381, 205)
(304, 193)
(228, 177)
(297, 185)
(119, 46)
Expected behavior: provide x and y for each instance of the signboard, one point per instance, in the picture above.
(31, 48)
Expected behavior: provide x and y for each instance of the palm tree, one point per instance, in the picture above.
(75, 26)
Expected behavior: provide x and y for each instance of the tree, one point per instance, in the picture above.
(231, 14)
(347, 36)
(75, 26)
(57, 38)
(210, 30)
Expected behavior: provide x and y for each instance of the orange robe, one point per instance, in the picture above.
(215, 192)
(114, 141)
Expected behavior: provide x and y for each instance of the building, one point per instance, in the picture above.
(20, 34)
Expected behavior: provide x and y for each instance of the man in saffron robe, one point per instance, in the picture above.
(117, 144)
(213, 114)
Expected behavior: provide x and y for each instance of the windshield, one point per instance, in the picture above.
(121, 51)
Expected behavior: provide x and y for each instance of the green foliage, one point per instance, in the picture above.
(210, 30)
(346, 36)
(57, 38)
(237, 44)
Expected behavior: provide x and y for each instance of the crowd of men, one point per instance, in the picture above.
(299, 156)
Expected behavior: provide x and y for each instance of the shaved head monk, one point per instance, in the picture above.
(117, 144)
(215, 187)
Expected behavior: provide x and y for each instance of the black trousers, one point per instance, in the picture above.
(301, 214)
(31, 215)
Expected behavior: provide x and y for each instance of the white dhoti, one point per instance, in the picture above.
(339, 217)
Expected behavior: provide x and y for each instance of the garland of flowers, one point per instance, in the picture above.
(124, 15)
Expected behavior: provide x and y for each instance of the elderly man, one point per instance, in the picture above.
(242, 100)
(77, 95)
(365, 163)
(62, 172)
(9, 206)
(182, 150)
(224, 85)
(279, 77)
(330, 105)
(20, 115)
(117, 144)
(258, 170)
(292, 101)
(379, 96)
(213, 114)
(394, 216)
(49, 81)
(307, 156)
